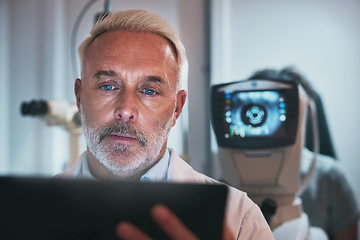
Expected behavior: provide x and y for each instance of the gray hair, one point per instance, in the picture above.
(138, 21)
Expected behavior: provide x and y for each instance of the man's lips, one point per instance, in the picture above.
(120, 137)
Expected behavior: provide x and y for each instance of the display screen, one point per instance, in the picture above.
(254, 114)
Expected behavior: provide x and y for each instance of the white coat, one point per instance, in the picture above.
(243, 216)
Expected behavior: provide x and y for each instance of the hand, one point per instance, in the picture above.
(168, 222)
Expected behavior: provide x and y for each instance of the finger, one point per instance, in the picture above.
(171, 224)
(128, 231)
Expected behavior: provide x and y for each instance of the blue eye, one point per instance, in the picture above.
(149, 91)
(107, 87)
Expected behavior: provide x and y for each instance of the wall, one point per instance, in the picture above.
(4, 146)
(32, 62)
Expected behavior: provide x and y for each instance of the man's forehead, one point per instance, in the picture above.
(120, 39)
(125, 46)
(122, 53)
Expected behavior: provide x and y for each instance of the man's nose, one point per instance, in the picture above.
(126, 107)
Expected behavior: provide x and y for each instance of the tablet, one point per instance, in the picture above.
(51, 209)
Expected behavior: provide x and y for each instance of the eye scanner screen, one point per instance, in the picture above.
(255, 114)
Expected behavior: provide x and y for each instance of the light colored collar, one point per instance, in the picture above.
(84, 169)
(158, 173)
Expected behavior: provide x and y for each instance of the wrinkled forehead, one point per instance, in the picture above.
(124, 47)
(119, 39)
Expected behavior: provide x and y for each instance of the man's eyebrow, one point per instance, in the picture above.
(154, 79)
(104, 73)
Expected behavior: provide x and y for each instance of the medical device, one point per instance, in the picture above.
(260, 130)
(60, 113)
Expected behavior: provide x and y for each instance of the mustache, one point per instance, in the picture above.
(124, 128)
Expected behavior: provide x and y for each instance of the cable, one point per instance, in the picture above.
(107, 6)
(74, 34)
(307, 178)
(101, 15)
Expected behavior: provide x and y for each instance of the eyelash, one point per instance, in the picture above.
(147, 91)
(106, 86)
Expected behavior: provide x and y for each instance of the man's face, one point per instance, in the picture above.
(128, 100)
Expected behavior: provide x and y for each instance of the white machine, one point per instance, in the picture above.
(260, 130)
(60, 113)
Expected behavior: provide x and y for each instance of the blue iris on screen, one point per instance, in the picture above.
(253, 114)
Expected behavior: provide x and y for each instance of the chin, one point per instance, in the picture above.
(127, 168)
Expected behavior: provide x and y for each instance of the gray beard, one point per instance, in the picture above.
(132, 162)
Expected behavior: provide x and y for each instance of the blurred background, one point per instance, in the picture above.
(225, 41)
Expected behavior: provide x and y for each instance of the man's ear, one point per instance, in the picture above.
(180, 102)
(77, 90)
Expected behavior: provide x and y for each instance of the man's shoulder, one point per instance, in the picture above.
(181, 171)
(74, 170)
